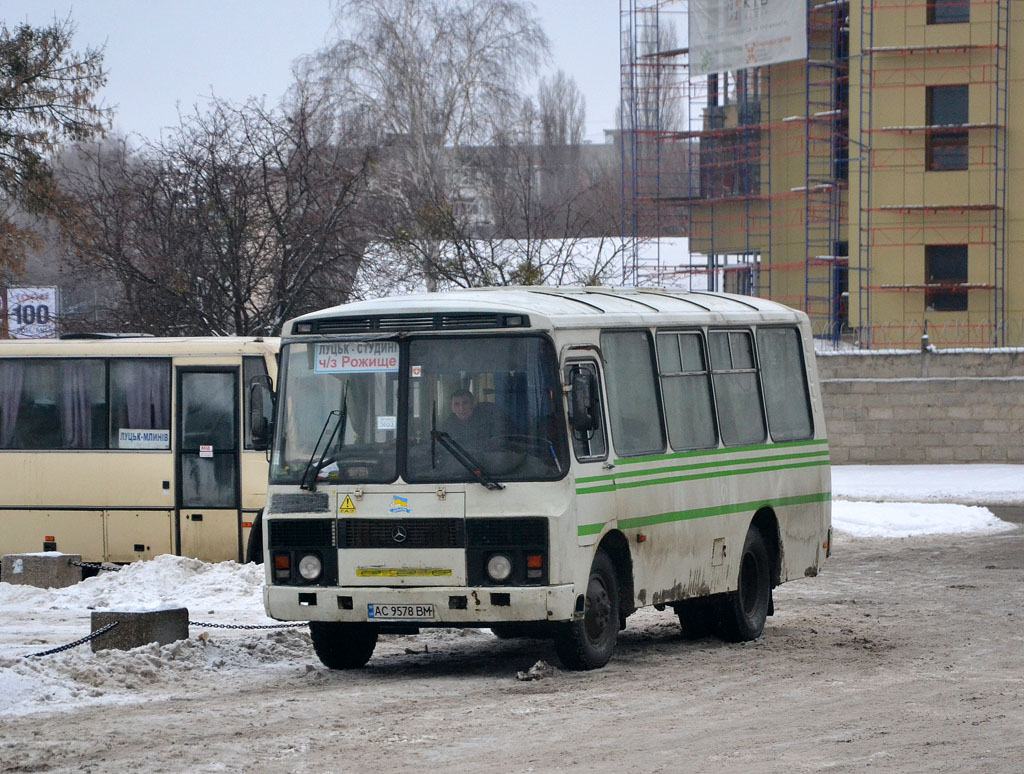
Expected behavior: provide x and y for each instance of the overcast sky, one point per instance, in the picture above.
(166, 54)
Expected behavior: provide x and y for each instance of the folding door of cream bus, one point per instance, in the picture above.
(208, 500)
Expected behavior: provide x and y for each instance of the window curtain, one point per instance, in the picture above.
(146, 396)
(12, 377)
(75, 405)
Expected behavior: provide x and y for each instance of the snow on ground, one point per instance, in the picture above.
(966, 484)
(906, 500)
(34, 620)
(890, 520)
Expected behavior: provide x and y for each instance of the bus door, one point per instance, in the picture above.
(208, 523)
(595, 501)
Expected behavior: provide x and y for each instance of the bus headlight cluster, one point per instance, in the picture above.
(499, 567)
(310, 567)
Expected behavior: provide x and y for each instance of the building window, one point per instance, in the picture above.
(946, 107)
(945, 269)
(949, 11)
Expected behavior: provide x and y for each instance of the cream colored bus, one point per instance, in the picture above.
(543, 462)
(124, 448)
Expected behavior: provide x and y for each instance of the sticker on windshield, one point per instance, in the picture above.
(356, 357)
(387, 423)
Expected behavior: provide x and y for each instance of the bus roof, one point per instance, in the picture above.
(546, 307)
(181, 346)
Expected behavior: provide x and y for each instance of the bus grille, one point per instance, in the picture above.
(500, 533)
(301, 533)
(420, 322)
(314, 502)
(401, 533)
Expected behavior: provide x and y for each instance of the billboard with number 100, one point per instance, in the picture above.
(32, 313)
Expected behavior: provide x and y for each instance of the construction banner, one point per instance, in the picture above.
(728, 35)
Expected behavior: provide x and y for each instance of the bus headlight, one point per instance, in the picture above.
(499, 567)
(310, 567)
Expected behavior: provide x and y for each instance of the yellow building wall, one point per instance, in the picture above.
(912, 207)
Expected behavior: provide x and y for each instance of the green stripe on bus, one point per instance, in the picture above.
(698, 476)
(699, 465)
(703, 513)
(726, 450)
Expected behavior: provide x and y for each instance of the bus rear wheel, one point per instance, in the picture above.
(745, 610)
(588, 643)
(343, 645)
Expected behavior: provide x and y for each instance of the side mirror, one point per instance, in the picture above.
(261, 412)
(583, 406)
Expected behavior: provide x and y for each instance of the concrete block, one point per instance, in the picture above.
(140, 628)
(46, 570)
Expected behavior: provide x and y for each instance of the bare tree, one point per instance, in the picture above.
(47, 95)
(562, 111)
(429, 76)
(239, 219)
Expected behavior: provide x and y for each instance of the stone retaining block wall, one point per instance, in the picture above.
(914, 408)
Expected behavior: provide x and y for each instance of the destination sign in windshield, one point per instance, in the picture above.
(356, 357)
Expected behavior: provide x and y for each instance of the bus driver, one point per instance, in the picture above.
(471, 422)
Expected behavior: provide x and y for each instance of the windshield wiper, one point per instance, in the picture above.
(312, 471)
(465, 459)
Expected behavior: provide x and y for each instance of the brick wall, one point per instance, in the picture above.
(909, 407)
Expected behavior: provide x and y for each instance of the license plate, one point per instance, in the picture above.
(377, 612)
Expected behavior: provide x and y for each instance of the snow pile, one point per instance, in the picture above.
(893, 520)
(40, 619)
(79, 676)
(906, 500)
(966, 484)
(226, 588)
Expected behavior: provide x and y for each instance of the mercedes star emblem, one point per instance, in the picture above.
(399, 534)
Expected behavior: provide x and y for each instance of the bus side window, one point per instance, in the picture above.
(140, 400)
(592, 445)
(737, 394)
(686, 390)
(784, 379)
(632, 393)
(53, 404)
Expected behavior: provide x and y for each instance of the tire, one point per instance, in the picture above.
(588, 643)
(745, 610)
(254, 546)
(343, 645)
(698, 618)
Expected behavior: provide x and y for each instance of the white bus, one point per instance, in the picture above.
(542, 461)
(121, 448)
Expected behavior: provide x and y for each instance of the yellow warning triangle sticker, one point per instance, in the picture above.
(347, 506)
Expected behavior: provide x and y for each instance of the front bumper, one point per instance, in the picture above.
(453, 605)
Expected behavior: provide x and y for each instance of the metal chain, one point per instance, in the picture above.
(95, 566)
(76, 643)
(244, 626)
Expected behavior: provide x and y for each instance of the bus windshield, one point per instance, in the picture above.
(478, 408)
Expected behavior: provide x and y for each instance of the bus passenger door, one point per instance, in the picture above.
(208, 518)
(595, 480)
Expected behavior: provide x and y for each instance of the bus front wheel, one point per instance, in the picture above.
(343, 645)
(745, 610)
(588, 643)
(254, 546)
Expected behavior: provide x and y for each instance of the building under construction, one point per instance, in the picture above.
(868, 182)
